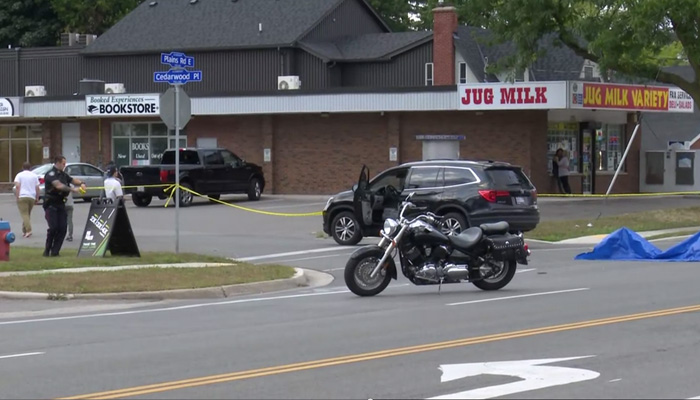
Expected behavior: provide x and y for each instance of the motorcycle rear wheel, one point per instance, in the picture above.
(358, 269)
(500, 280)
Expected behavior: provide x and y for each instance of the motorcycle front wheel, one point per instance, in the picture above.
(360, 266)
(501, 279)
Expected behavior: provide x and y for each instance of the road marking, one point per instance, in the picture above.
(83, 316)
(22, 355)
(317, 257)
(614, 380)
(517, 297)
(290, 206)
(520, 271)
(291, 253)
(376, 355)
(533, 374)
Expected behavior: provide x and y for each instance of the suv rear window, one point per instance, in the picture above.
(186, 157)
(508, 177)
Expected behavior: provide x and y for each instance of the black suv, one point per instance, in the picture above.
(466, 193)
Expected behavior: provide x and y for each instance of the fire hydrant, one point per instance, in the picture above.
(6, 237)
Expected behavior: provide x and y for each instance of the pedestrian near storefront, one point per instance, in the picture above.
(563, 169)
(27, 194)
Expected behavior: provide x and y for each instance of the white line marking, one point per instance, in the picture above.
(692, 398)
(314, 258)
(22, 355)
(291, 253)
(333, 269)
(520, 271)
(614, 380)
(517, 297)
(113, 314)
(290, 206)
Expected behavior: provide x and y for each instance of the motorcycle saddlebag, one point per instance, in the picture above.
(506, 247)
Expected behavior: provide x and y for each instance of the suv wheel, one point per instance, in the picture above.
(345, 229)
(454, 223)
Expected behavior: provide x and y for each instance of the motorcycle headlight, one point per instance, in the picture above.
(390, 226)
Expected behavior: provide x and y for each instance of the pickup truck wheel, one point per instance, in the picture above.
(186, 197)
(141, 200)
(254, 190)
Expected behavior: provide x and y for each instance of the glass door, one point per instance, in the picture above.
(587, 161)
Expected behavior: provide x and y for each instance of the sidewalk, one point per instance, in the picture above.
(595, 239)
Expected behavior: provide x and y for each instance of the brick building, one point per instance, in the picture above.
(311, 90)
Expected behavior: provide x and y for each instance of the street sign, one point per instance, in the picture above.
(176, 59)
(177, 77)
(175, 110)
(167, 108)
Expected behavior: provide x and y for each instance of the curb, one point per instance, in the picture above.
(300, 279)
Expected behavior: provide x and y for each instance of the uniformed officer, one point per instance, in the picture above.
(56, 190)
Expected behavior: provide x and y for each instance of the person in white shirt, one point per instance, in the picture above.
(27, 195)
(563, 163)
(113, 188)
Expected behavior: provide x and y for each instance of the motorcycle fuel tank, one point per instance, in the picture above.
(430, 236)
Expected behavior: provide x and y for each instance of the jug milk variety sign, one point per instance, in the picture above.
(108, 228)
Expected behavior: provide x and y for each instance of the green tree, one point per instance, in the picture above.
(395, 13)
(28, 23)
(91, 16)
(635, 38)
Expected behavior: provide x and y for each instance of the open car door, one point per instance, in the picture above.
(363, 199)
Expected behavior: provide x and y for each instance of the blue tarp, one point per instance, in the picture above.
(627, 245)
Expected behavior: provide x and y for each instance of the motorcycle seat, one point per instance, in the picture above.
(467, 239)
(496, 227)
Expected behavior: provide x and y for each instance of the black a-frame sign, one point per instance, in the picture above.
(108, 228)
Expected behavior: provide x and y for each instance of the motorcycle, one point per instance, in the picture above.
(486, 256)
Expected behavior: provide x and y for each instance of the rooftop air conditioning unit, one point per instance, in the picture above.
(288, 82)
(70, 39)
(115, 88)
(32, 91)
(87, 39)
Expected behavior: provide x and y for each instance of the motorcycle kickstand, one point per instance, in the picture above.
(440, 286)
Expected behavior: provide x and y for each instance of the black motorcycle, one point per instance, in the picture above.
(486, 256)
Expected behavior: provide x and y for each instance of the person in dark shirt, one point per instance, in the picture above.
(56, 190)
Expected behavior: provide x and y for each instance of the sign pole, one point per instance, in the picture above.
(177, 168)
(624, 156)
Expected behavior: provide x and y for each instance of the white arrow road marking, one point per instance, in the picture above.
(22, 355)
(534, 375)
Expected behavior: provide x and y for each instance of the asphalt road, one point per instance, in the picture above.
(216, 229)
(596, 326)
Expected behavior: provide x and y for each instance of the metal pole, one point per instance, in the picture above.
(624, 156)
(177, 168)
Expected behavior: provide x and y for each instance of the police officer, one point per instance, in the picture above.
(56, 190)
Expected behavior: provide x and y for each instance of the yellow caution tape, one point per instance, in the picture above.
(618, 194)
(172, 189)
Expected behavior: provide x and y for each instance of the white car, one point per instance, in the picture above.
(88, 173)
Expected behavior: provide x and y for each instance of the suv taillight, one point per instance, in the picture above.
(534, 196)
(164, 176)
(492, 195)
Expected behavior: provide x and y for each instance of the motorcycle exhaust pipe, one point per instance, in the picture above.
(457, 272)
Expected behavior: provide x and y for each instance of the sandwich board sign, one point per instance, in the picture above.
(108, 228)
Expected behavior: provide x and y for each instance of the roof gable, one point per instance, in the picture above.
(370, 47)
(211, 25)
(479, 49)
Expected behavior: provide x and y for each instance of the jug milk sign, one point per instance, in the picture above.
(108, 228)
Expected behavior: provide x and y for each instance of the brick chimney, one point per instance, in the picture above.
(444, 26)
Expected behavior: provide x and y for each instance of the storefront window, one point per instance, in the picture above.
(609, 145)
(142, 143)
(563, 135)
(18, 144)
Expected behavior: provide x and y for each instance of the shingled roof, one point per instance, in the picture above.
(188, 25)
(369, 47)
(478, 48)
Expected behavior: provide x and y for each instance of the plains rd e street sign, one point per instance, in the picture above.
(167, 108)
(177, 60)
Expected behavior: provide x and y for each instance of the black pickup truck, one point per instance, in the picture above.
(210, 172)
